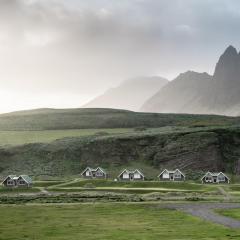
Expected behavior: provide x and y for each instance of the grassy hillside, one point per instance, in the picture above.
(58, 119)
(44, 136)
(190, 149)
(49, 143)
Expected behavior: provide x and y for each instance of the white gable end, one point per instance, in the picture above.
(165, 175)
(137, 175)
(125, 175)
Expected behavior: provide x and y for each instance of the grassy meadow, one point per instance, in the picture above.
(45, 136)
(232, 213)
(140, 184)
(105, 221)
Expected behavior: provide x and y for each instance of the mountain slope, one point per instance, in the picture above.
(182, 95)
(192, 149)
(130, 94)
(201, 93)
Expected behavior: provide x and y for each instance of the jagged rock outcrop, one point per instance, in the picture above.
(201, 93)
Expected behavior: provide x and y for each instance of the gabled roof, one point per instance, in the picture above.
(131, 171)
(87, 168)
(101, 169)
(215, 175)
(93, 170)
(179, 171)
(165, 170)
(136, 170)
(9, 176)
(206, 175)
(224, 175)
(125, 170)
(26, 178)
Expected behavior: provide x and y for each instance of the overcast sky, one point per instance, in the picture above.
(61, 53)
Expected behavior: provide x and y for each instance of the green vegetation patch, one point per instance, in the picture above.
(46, 183)
(18, 190)
(45, 136)
(233, 213)
(140, 184)
(105, 222)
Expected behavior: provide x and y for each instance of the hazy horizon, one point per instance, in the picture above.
(61, 54)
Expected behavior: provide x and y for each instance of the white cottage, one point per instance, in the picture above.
(94, 173)
(17, 181)
(131, 175)
(219, 177)
(175, 175)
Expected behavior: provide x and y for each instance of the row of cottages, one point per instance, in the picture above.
(165, 175)
(94, 173)
(17, 181)
(210, 177)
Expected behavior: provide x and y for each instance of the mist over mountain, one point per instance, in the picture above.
(130, 95)
(193, 92)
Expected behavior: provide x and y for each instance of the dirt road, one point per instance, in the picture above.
(206, 212)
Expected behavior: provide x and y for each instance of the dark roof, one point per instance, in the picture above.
(26, 178)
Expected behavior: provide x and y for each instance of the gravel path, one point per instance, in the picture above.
(206, 212)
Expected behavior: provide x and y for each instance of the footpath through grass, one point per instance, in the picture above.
(105, 222)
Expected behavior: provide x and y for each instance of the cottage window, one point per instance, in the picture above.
(177, 175)
(9, 182)
(99, 173)
(21, 182)
(137, 175)
(221, 178)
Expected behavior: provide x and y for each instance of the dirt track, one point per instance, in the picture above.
(206, 212)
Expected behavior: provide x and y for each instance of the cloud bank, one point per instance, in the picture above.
(75, 49)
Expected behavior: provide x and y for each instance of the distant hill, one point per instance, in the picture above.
(201, 93)
(82, 118)
(130, 95)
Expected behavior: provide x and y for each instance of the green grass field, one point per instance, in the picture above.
(140, 184)
(105, 221)
(233, 213)
(23, 137)
(18, 190)
(46, 183)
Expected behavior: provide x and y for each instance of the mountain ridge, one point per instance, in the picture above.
(217, 94)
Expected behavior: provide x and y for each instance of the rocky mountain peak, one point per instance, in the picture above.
(227, 70)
